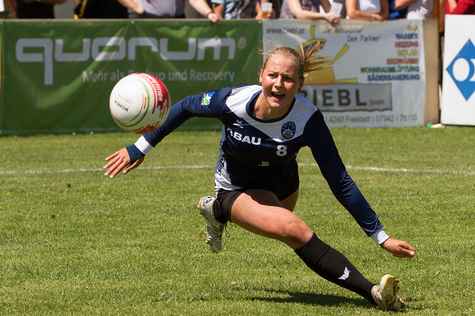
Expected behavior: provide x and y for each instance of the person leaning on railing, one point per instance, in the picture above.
(32, 9)
(241, 9)
(171, 9)
(411, 9)
(309, 10)
(367, 10)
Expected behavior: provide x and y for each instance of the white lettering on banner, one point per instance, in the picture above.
(210, 76)
(94, 76)
(216, 44)
(186, 75)
(115, 48)
(60, 55)
(46, 57)
(100, 42)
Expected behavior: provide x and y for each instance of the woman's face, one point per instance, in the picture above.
(280, 82)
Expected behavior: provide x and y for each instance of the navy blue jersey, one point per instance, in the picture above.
(257, 153)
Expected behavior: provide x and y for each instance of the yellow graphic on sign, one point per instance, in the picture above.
(327, 75)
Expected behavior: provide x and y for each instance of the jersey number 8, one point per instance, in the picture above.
(281, 150)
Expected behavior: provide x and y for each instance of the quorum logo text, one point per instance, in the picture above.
(115, 48)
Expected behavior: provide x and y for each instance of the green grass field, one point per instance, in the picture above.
(74, 242)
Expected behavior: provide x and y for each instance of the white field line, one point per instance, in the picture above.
(402, 170)
(99, 169)
(376, 169)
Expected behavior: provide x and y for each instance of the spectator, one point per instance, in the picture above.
(9, 9)
(191, 13)
(460, 7)
(105, 9)
(277, 4)
(367, 10)
(309, 10)
(395, 14)
(173, 9)
(414, 9)
(240, 9)
(343, 7)
(32, 9)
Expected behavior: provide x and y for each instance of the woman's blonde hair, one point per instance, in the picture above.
(306, 60)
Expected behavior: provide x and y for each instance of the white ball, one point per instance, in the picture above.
(139, 103)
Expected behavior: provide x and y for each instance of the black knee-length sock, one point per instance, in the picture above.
(334, 266)
(218, 212)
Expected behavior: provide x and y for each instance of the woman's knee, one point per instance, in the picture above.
(295, 232)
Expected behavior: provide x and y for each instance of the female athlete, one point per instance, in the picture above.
(256, 177)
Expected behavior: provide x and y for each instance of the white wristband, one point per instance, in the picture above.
(143, 145)
(379, 237)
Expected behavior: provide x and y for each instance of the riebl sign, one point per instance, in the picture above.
(377, 76)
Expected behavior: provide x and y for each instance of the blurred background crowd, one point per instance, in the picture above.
(332, 11)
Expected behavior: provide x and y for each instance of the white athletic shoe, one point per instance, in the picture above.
(385, 294)
(214, 229)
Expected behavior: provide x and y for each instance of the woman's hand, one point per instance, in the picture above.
(213, 17)
(333, 18)
(398, 248)
(119, 161)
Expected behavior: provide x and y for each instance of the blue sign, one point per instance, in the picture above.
(462, 70)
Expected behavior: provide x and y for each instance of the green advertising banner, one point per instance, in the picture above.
(57, 75)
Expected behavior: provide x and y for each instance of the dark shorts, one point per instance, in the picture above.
(226, 198)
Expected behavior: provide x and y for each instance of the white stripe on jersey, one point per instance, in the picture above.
(300, 113)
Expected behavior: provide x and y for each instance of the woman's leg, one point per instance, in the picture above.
(260, 212)
(290, 202)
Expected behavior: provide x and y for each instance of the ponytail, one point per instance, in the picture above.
(305, 60)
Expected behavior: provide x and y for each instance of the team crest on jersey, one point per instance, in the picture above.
(207, 98)
(288, 130)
